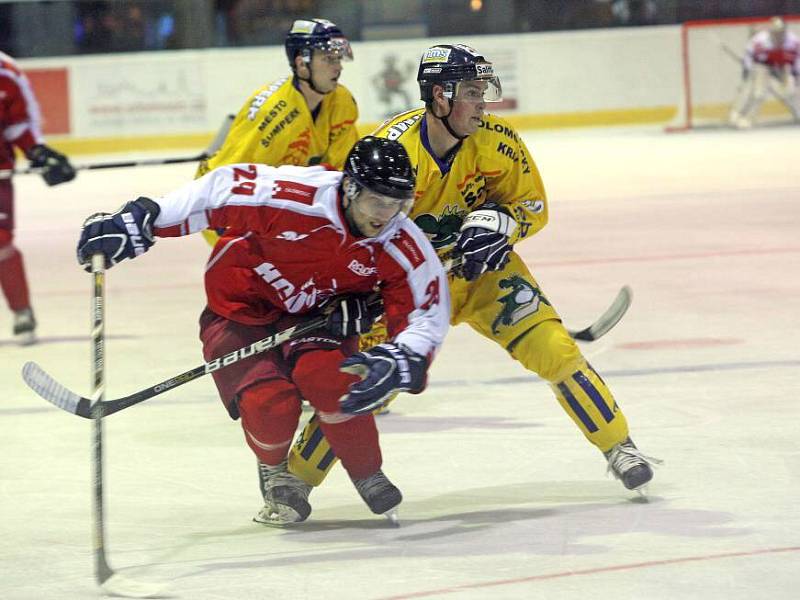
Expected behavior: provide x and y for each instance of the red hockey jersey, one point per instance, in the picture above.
(20, 117)
(288, 249)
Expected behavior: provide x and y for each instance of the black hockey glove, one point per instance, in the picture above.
(353, 315)
(56, 167)
(483, 242)
(385, 370)
(125, 234)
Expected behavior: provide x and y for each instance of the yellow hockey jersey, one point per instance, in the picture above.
(275, 127)
(492, 164)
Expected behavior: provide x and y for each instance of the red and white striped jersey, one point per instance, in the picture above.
(20, 117)
(763, 51)
(288, 249)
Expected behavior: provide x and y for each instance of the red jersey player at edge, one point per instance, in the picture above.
(20, 124)
(299, 239)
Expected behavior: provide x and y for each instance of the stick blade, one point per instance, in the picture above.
(117, 585)
(608, 319)
(48, 388)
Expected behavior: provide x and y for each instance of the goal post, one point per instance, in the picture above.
(710, 58)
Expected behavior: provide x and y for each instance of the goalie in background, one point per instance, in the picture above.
(300, 241)
(20, 126)
(770, 64)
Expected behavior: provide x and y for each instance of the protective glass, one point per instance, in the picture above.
(380, 207)
(335, 50)
(478, 90)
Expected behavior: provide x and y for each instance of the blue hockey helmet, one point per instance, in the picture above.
(316, 34)
(449, 65)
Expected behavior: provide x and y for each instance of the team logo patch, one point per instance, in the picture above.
(409, 248)
(301, 26)
(291, 236)
(291, 190)
(522, 300)
(435, 55)
(442, 231)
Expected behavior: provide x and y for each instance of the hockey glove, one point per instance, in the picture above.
(483, 242)
(384, 370)
(55, 166)
(125, 234)
(353, 315)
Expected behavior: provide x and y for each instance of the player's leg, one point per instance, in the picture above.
(509, 308)
(354, 439)
(311, 457)
(783, 86)
(257, 390)
(211, 236)
(13, 281)
(742, 107)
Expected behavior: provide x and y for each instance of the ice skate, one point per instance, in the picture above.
(24, 327)
(285, 496)
(630, 466)
(381, 495)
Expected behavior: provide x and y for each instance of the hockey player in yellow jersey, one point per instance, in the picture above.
(305, 118)
(478, 193)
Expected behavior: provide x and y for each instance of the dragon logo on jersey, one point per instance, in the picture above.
(441, 230)
(523, 300)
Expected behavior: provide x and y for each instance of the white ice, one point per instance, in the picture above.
(503, 496)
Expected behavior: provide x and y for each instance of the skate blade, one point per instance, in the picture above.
(392, 516)
(279, 516)
(117, 585)
(26, 339)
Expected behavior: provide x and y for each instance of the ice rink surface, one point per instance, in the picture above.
(503, 496)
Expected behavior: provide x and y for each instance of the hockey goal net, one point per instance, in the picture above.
(711, 54)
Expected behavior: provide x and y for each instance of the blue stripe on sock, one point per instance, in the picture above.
(312, 444)
(594, 394)
(326, 460)
(577, 408)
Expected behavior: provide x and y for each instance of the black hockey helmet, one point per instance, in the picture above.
(447, 65)
(382, 166)
(316, 34)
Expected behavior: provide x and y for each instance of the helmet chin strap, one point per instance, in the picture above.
(310, 80)
(446, 122)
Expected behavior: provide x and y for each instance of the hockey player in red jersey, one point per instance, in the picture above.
(20, 125)
(771, 64)
(299, 239)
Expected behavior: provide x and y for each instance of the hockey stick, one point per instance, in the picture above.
(106, 577)
(215, 144)
(51, 390)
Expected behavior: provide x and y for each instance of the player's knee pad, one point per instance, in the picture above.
(592, 407)
(311, 457)
(548, 350)
(319, 379)
(270, 411)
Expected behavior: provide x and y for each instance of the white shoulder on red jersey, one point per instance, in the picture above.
(416, 281)
(245, 196)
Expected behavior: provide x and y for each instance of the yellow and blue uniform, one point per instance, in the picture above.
(276, 127)
(505, 306)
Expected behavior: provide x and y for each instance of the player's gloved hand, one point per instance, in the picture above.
(483, 243)
(125, 234)
(56, 167)
(353, 315)
(385, 370)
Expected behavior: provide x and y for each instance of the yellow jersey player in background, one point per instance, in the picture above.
(478, 194)
(303, 119)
